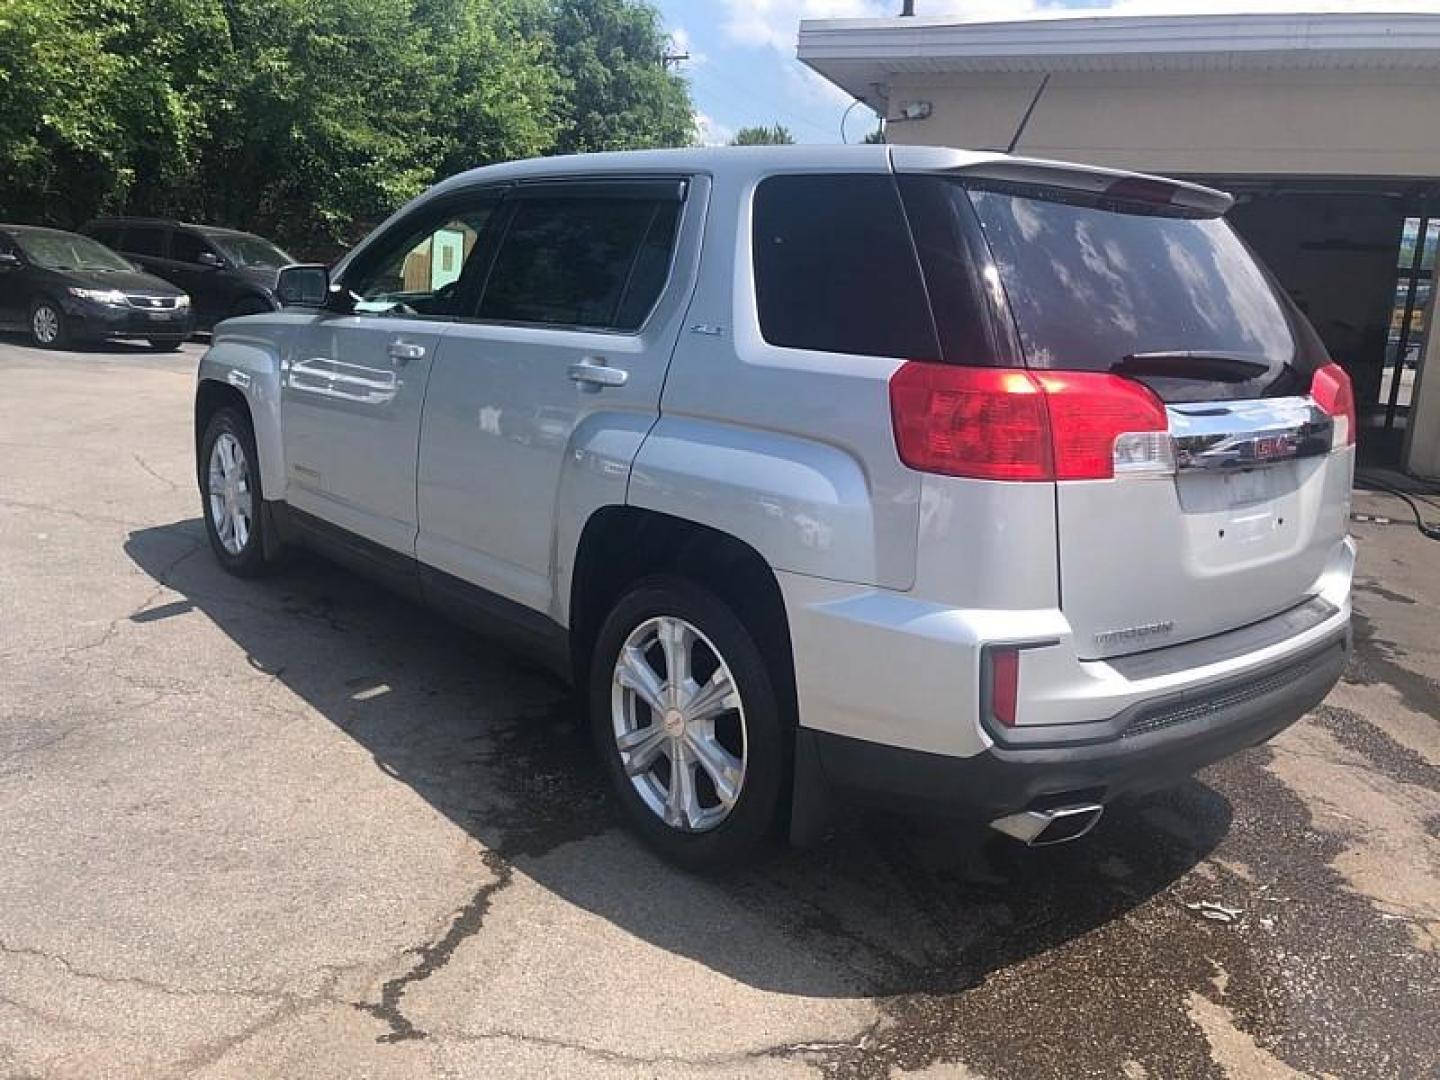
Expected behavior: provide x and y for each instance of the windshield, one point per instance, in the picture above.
(67, 251)
(250, 250)
(1179, 301)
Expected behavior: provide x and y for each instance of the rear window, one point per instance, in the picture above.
(1176, 301)
(835, 269)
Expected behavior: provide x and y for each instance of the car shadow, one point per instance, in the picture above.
(22, 340)
(884, 906)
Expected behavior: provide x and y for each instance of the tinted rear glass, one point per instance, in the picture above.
(1142, 291)
(835, 269)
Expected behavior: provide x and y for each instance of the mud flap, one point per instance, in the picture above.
(810, 803)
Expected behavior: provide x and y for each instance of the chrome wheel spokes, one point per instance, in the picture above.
(679, 724)
(232, 503)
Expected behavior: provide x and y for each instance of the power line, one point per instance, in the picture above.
(720, 81)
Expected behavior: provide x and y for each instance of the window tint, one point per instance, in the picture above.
(969, 317)
(145, 240)
(421, 268)
(186, 247)
(835, 269)
(578, 261)
(1178, 302)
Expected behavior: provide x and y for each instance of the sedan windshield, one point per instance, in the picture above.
(244, 250)
(67, 251)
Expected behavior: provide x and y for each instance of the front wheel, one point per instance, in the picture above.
(166, 344)
(47, 324)
(231, 495)
(686, 719)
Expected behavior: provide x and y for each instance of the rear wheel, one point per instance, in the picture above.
(166, 344)
(231, 495)
(685, 716)
(47, 325)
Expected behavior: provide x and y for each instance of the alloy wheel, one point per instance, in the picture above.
(232, 504)
(45, 323)
(679, 724)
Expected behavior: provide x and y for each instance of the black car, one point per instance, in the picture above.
(226, 273)
(62, 287)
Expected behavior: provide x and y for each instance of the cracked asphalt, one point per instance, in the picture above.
(300, 827)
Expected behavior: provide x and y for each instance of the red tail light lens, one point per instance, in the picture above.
(1009, 424)
(988, 423)
(1004, 684)
(1331, 390)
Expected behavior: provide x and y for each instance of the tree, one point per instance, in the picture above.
(779, 135)
(310, 120)
(616, 92)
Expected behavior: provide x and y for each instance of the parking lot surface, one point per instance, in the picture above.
(299, 827)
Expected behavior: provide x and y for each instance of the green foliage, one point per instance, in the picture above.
(616, 93)
(779, 135)
(310, 120)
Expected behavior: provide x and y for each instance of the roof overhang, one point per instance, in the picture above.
(863, 56)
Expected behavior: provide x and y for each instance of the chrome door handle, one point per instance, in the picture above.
(404, 351)
(593, 374)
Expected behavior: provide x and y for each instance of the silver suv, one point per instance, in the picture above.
(950, 481)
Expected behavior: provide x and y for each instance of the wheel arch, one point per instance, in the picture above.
(622, 544)
(246, 372)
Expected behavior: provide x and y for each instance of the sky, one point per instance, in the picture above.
(743, 72)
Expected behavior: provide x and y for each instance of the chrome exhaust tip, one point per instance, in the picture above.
(1059, 824)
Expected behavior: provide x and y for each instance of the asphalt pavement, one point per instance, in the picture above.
(301, 828)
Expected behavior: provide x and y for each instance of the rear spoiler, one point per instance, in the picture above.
(1090, 179)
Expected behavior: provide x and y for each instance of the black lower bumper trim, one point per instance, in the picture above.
(1006, 780)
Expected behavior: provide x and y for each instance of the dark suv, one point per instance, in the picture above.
(226, 273)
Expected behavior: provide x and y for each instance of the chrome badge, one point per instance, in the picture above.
(1134, 633)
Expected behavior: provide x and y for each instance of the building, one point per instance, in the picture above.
(1325, 125)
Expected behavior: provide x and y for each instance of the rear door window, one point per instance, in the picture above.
(186, 247)
(590, 262)
(835, 269)
(1178, 302)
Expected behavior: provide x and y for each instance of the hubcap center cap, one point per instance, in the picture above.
(674, 723)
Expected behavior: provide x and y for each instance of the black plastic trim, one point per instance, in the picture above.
(1225, 646)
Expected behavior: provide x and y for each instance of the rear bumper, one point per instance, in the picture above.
(1208, 727)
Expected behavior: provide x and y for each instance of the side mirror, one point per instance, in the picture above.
(211, 260)
(9, 261)
(304, 285)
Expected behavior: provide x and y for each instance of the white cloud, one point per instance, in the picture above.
(711, 132)
(681, 44)
(776, 22)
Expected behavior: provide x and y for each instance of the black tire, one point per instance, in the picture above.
(251, 560)
(57, 313)
(166, 344)
(751, 826)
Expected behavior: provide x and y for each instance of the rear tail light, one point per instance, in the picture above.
(1330, 389)
(1011, 424)
(1004, 684)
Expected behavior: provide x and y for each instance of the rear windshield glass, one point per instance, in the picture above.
(1140, 291)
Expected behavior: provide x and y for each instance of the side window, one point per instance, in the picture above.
(835, 270)
(186, 247)
(145, 240)
(423, 269)
(587, 261)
